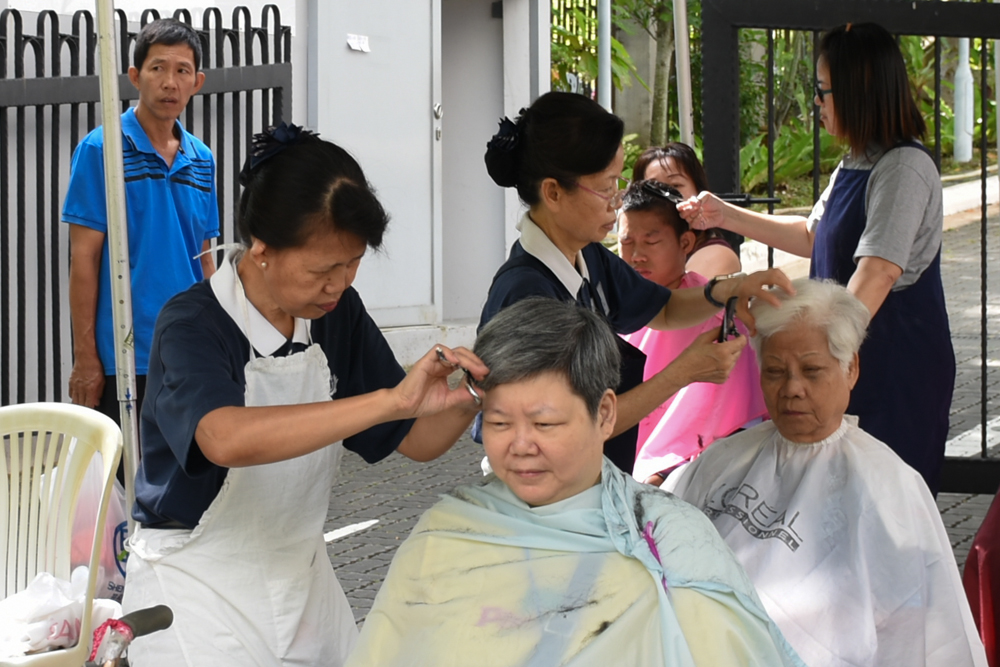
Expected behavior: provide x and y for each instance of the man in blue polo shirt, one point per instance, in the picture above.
(171, 207)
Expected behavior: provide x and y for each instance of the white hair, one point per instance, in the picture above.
(824, 305)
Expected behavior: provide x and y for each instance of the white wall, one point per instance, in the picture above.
(379, 105)
(472, 87)
(527, 64)
(451, 225)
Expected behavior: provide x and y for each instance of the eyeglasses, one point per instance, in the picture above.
(820, 92)
(614, 201)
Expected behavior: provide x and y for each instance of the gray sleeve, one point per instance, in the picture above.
(904, 211)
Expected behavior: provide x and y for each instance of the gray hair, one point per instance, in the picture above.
(539, 335)
(821, 304)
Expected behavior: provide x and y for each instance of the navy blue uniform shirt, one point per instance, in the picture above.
(632, 301)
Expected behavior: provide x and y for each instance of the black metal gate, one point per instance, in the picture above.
(721, 21)
(247, 86)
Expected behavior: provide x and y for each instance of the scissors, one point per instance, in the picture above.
(468, 376)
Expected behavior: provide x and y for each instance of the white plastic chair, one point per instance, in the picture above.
(37, 508)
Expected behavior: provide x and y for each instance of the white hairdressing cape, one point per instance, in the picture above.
(487, 580)
(844, 543)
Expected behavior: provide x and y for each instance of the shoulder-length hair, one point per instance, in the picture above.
(682, 155)
(871, 91)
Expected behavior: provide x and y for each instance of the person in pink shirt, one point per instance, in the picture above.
(655, 241)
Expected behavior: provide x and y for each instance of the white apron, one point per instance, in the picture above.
(252, 583)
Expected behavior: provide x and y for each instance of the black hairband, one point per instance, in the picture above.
(269, 143)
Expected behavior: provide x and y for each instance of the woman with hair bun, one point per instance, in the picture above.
(877, 230)
(565, 157)
(256, 377)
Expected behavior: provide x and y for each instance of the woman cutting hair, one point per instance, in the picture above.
(565, 157)
(877, 230)
(255, 379)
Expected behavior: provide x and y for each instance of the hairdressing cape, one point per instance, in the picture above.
(844, 543)
(486, 580)
(697, 415)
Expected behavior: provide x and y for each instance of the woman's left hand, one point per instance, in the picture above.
(425, 391)
(754, 286)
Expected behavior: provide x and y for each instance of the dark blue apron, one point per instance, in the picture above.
(907, 371)
(621, 448)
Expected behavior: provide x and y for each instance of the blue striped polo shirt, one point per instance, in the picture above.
(171, 212)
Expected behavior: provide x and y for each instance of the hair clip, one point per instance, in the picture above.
(269, 143)
(506, 137)
(662, 191)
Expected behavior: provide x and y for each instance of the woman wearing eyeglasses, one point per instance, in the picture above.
(877, 230)
(565, 157)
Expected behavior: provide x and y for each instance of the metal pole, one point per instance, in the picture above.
(604, 53)
(964, 104)
(682, 49)
(121, 279)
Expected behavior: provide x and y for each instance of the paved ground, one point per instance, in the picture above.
(396, 491)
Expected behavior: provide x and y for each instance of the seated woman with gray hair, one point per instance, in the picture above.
(841, 537)
(558, 557)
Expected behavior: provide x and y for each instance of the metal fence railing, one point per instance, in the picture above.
(48, 101)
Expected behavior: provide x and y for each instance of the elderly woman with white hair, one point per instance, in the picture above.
(841, 537)
(558, 557)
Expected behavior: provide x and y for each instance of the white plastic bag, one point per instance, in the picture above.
(111, 572)
(47, 614)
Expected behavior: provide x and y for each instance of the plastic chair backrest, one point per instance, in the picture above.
(37, 508)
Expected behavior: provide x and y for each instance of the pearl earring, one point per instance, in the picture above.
(263, 265)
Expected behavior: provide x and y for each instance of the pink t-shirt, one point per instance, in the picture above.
(700, 413)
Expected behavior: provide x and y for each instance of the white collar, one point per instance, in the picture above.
(262, 336)
(538, 245)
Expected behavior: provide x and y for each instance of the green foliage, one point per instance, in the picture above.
(644, 13)
(793, 109)
(793, 155)
(574, 51)
(919, 55)
(632, 151)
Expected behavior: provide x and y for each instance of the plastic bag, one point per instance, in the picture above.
(111, 572)
(47, 614)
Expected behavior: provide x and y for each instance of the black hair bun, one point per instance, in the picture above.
(269, 143)
(502, 154)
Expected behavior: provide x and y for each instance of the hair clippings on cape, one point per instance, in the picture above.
(506, 137)
(269, 143)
